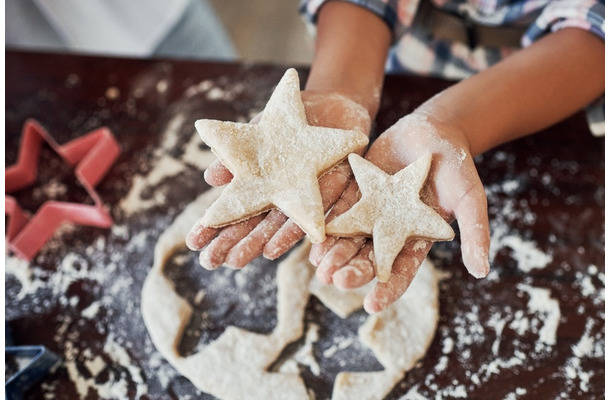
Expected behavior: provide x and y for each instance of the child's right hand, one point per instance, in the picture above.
(272, 234)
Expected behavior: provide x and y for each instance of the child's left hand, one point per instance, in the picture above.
(453, 189)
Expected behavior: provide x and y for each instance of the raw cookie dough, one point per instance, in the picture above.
(390, 210)
(235, 365)
(277, 161)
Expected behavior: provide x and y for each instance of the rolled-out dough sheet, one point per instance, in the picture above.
(235, 365)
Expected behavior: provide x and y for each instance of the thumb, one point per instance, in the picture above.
(217, 174)
(471, 214)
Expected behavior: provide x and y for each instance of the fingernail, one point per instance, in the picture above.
(274, 251)
(234, 262)
(374, 305)
(481, 271)
(343, 278)
(476, 261)
(484, 271)
(349, 277)
(323, 276)
(270, 254)
(315, 255)
(207, 177)
(206, 261)
(193, 239)
(369, 306)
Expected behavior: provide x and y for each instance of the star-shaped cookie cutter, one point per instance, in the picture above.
(35, 361)
(92, 155)
(40, 361)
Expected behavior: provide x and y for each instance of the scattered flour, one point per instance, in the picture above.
(527, 255)
(51, 190)
(413, 394)
(164, 168)
(541, 303)
(110, 379)
(20, 269)
(518, 393)
(304, 355)
(109, 370)
(525, 252)
(587, 347)
(166, 165)
(340, 343)
(92, 310)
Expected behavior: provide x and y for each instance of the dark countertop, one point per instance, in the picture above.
(534, 329)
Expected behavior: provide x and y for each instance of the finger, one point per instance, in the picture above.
(252, 245)
(405, 267)
(319, 250)
(344, 203)
(200, 236)
(359, 271)
(348, 198)
(283, 240)
(217, 174)
(332, 185)
(213, 256)
(471, 214)
(341, 253)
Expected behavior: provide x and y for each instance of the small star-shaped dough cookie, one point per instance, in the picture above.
(390, 210)
(276, 162)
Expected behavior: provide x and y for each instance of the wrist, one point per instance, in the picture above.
(447, 125)
(350, 52)
(368, 102)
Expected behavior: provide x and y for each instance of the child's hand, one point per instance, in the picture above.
(272, 234)
(453, 188)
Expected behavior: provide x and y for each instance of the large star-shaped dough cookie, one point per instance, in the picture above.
(390, 210)
(277, 161)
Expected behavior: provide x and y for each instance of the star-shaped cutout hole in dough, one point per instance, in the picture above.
(390, 210)
(277, 161)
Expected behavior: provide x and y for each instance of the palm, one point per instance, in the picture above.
(272, 234)
(453, 188)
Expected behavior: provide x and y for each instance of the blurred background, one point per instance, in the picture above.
(266, 30)
(253, 30)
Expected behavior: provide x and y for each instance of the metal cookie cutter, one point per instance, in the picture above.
(41, 360)
(92, 155)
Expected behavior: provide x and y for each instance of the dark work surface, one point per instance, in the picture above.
(534, 329)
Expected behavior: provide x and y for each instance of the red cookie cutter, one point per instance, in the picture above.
(93, 154)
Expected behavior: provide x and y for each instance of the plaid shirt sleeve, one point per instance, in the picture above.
(398, 14)
(449, 60)
(395, 13)
(560, 14)
(588, 15)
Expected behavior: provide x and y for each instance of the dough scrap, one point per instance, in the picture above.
(235, 366)
(276, 162)
(341, 302)
(398, 336)
(390, 210)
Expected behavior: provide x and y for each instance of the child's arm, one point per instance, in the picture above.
(528, 91)
(351, 49)
(534, 88)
